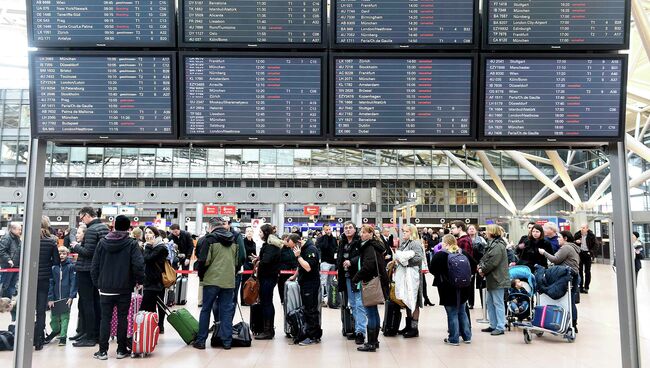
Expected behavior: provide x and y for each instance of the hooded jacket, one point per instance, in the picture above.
(530, 256)
(348, 251)
(270, 256)
(48, 255)
(568, 255)
(372, 264)
(118, 264)
(327, 247)
(447, 292)
(155, 256)
(494, 265)
(10, 250)
(218, 259)
(63, 283)
(96, 231)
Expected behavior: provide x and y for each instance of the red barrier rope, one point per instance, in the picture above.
(9, 269)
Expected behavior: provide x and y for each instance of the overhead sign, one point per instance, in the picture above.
(210, 210)
(127, 210)
(328, 210)
(228, 210)
(311, 210)
(109, 210)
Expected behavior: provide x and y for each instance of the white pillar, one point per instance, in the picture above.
(356, 214)
(198, 222)
(181, 216)
(277, 217)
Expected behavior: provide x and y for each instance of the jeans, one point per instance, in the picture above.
(59, 323)
(496, 308)
(585, 269)
(575, 297)
(8, 281)
(310, 302)
(358, 310)
(226, 313)
(149, 304)
(266, 298)
(42, 287)
(89, 304)
(324, 266)
(373, 317)
(215, 305)
(458, 323)
(108, 302)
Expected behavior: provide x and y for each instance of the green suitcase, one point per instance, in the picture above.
(183, 322)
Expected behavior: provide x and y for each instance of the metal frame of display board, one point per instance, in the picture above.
(428, 47)
(621, 219)
(486, 46)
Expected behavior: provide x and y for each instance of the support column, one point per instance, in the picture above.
(625, 280)
(181, 216)
(29, 263)
(356, 214)
(277, 218)
(198, 223)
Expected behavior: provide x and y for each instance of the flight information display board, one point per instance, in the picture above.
(557, 24)
(253, 23)
(569, 97)
(404, 23)
(253, 96)
(78, 95)
(403, 97)
(96, 23)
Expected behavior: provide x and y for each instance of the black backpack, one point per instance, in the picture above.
(6, 341)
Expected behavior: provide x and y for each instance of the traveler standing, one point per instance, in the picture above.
(79, 237)
(348, 266)
(117, 267)
(10, 246)
(288, 262)
(528, 252)
(268, 269)
(408, 260)
(251, 254)
(217, 268)
(88, 294)
(372, 265)
(48, 254)
(550, 233)
(185, 245)
(494, 267)
(451, 297)
(309, 281)
(327, 247)
(639, 253)
(586, 239)
(464, 241)
(478, 249)
(63, 285)
(155, 256)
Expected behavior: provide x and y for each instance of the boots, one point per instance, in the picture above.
(269, 332)
(413, 331)
(372, 343)
(407, 327)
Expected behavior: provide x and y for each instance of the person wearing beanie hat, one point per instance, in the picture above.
(117, 267)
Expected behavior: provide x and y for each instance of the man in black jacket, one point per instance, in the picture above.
(327, 247)
(88, 295)
(586, 240)
(348, 266)
(10, 246)
(117, 267)
(185, 244)
(309, 281)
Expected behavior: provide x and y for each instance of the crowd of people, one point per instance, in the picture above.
(111, 263)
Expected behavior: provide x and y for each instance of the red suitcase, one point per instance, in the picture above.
(145, 333)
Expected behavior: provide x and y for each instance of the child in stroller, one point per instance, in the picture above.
(520, 297)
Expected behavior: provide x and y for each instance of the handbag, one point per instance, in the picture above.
(241, 334)
(168, 275)
(60, 307)
(391, 287)
(251, 290)
(372, 293)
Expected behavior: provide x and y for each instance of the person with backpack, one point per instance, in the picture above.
(494, 267)
(452, 269)
(155, 256)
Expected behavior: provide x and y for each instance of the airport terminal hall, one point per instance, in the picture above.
(324, 183)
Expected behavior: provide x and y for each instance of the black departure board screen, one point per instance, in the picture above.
(102, 95)
(258, 96)
(92, 23)
(554, 98)
(253, 22)
(561, 24)
(403, 97)
(404, 23)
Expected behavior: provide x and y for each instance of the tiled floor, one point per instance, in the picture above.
(597, 344)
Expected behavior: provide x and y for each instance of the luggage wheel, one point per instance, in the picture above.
(528, 338)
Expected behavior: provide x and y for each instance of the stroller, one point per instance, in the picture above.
(519, 306)
(553, 316)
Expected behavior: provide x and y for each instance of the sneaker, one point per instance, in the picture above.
(62, 341)
(50, 337)
(451, 343)
(497, 332)
(86, 343)
(123, 354)
(101, 355)
(467, 341)
(199, 345)
(489, 329)
(306, 342)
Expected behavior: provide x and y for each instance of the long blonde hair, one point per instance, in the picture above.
(414, 232)
(450, 243)
(494, 231)
(45, 228)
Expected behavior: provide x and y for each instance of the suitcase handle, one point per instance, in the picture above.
(166, 309)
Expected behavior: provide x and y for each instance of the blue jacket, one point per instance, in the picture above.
(63, 283)
(553, 281)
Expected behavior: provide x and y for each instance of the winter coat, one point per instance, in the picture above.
(95, 232)
(555, 244)
(288, 260)
(63, 281)
(269, 258)
(530, 256)
(251, 248)
(494, 265)
(48, 255)
(10, 246)
(446, 291)
(591, 240)
(372, 264)
(327, 247)
(553, 281)
(568, 255)
(155, 256)
(348, 251)
(465, 243)
(118, 264)
(241, 248)
(218, 259)
(185, 244)
(309, 254)
(478, 248)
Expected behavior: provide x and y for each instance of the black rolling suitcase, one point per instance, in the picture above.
(392, 318)
(333, 295)
(257, 319)
(347, 320)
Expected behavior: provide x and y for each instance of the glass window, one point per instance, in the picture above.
(146, 162)
(77, 161)
(268, 157)
(24, 116)
(23, 152)
(95, 162)
(181, 162)
(11, 116)
(164, 158)
(233, 157)
(13, 94)
(302, 157)
(215, 157)
(112, 159)
(250, 156)
(129, 163)
(9, 152)
(199, 162)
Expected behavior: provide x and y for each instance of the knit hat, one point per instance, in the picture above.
(122, 223)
